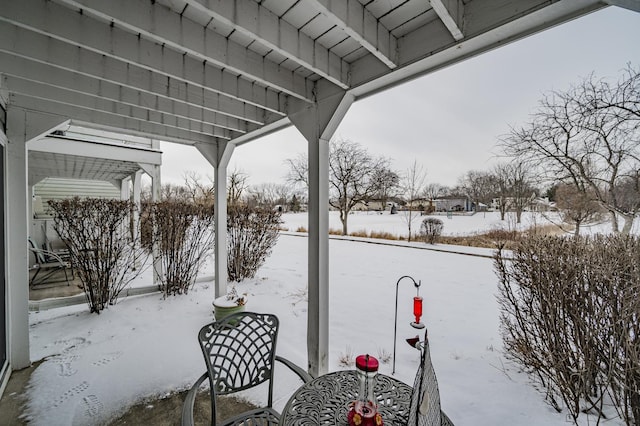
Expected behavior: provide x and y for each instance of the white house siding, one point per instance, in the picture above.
(59, 188)
(41, 225)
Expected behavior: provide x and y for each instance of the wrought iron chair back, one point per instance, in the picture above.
(424, 409)
(239, 352)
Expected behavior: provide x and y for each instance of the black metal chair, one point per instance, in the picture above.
(424, 409)
(239, 351)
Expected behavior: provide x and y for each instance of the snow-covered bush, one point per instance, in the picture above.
(431, 229)
(570, 315)
(184, 232)
(103, 250)
(252, 232)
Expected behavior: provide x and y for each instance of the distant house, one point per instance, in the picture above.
(453, 204)
(542, 204)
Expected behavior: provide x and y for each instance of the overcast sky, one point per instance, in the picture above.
(449, 121)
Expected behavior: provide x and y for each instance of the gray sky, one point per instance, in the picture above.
(449, 121)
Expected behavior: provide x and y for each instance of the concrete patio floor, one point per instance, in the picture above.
(159, 412)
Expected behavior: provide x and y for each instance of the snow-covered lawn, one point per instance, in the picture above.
(455, 225)
(97, 365)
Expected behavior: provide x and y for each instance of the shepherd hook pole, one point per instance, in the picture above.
(395, 324)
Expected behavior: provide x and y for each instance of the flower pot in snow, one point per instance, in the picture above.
(224, 306)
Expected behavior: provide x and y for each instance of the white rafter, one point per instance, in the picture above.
(258, 22)
(112, 121)
(451, 13)
(356, 21)
(64, 79)
(81, 100)
(168, 28)
(56, 21)
(37, 47)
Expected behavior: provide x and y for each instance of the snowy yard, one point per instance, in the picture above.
(455, 225)
(97, 365)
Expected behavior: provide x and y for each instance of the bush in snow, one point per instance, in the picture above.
(570, 315)
(103, 250)
(252, 232)
(431, 229)
(184, 232)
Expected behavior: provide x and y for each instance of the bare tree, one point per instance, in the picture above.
(201, 193)
(236, 186)
(413, 185)
(433, 191)
(270, 194)
(479, 186)
(351, 171)
(298, 170)
(521, 188)
(386, 182)
(577, 206)
(588, 135)
(502, 173)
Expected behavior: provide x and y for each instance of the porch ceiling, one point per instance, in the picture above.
(90, 154)
(49, 164)
(211, 71)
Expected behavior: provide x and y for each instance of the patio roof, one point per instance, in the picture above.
(205, 72)
(90, 154)
(219, 73)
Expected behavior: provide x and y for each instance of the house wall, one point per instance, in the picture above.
(4, 364)
(41, 225)
(58, 188)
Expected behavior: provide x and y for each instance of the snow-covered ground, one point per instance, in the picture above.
(95, 366)
(396, 224)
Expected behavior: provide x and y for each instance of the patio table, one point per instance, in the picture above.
(325, 400)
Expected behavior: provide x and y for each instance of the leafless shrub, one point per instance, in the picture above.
(346, 359)
(102, 249)
(431, 229)
(384, 356)
(301, 229)
(570, 311)
(184, 232)
(251, 235)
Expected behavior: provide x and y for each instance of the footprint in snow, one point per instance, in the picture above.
(76, 390)
(108, 358)
(93, 404)
(64, 361)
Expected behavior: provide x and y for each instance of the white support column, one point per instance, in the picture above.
(317, 124)
(156, 187)
(22, 126)
(219, 156)
(124, 188)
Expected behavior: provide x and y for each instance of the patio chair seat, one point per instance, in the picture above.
(239, 351)
(49, 262)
